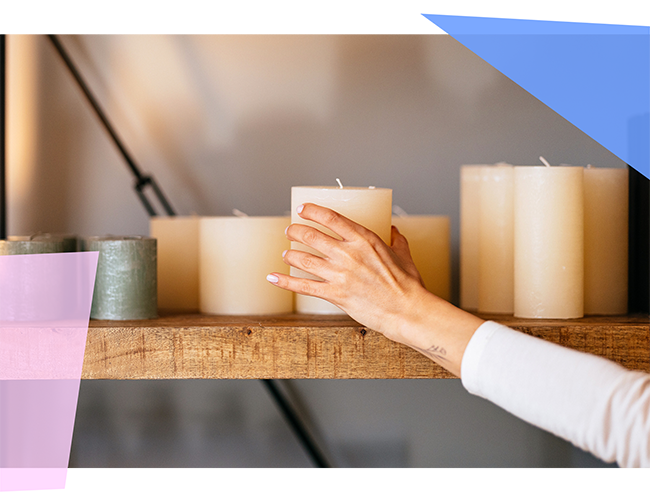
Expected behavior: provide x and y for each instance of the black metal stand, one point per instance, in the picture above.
(141, 181)
(296, 424)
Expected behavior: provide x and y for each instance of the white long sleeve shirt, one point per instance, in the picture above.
(594, 403)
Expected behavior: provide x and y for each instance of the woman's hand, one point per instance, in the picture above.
(376, 284)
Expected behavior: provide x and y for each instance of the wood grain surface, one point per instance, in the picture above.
(305, 346)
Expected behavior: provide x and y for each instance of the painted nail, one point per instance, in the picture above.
(300, 208)
(272, 278)
(284, 253)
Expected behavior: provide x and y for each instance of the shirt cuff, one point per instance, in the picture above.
(469, 368)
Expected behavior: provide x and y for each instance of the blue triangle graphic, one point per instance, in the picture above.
(596, 76)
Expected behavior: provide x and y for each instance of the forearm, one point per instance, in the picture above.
(435, 328)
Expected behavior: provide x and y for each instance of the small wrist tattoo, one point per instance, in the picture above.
(433, 351)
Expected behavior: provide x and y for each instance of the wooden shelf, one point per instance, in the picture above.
(306, 346)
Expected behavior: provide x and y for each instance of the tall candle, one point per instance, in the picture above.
(178, 262)
(429, 241)
(496, 246)
(235, 256)
(367, 206)
(470, 181)
(549, 243)
(125, 284)
(606, 238)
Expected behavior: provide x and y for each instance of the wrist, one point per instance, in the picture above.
(438, 330)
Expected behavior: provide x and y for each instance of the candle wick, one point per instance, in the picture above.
(340, 184)
(399, 211)
(238, 213)
(541, 158)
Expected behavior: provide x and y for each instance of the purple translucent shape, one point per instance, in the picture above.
(34, 483)
(44, 310)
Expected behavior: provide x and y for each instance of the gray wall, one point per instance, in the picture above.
(229, 122)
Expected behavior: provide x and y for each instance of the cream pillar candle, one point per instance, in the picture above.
(549, 252)
(178, 262)
(235, 256)
(429, 241)
(368, 206)
(606, 240)
(496, 246)
(470, 181)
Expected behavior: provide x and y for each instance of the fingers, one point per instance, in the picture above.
(298, 285)
(307, 262)
(337, 223)
(311, 237)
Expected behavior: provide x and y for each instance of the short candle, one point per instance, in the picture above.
(429, 242)
(38, 243)
(178, 262)
(235, 256)
(125, 285)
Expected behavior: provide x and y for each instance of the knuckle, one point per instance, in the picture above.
(308, 262)
(310, 236)
(330, 217)
(305, 288)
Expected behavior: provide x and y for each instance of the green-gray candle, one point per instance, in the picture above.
(38, 243)
(125, 286)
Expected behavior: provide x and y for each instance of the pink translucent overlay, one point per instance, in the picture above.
(44, 310)
(34, 483)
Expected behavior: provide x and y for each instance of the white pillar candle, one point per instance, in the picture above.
(470, 181)
(368, 206)
(235, 256)
(496, 246)
(178, 262)
(429, 241)
(606, 240)
(549, 252)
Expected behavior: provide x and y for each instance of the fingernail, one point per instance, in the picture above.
(285, 230)
(272, 278)
(284, 253)
(300, 208)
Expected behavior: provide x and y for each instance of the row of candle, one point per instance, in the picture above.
(544, 242)
(218, 265)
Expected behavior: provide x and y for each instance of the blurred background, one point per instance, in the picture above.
(227, 122)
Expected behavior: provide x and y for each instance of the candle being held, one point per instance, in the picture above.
(367, 206)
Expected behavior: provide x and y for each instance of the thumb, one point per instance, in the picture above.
(399, 244)
(400, 247)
